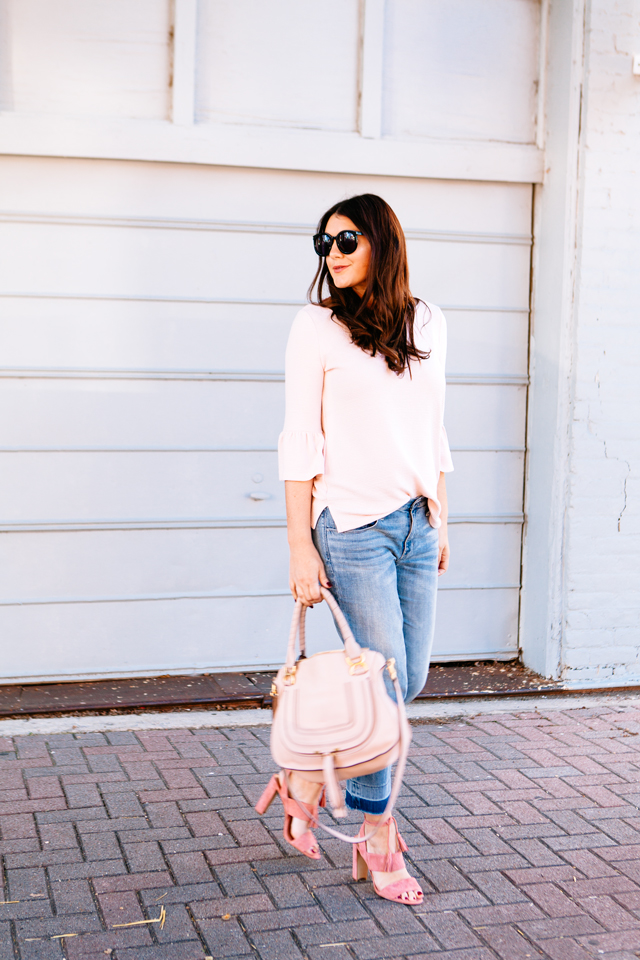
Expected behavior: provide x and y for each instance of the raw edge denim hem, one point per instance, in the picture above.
(367, 806)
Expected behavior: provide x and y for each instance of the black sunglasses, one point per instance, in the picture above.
(347, 241)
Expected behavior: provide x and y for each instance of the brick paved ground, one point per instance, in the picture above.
(524, 829)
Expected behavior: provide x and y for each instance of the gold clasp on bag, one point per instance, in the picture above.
(355, 664)
(290, 676)
(274, 698)
(391, 667)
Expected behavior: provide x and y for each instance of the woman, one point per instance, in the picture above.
(363, 456)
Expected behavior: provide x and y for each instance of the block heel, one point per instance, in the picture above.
(268, 795)
(360, 868)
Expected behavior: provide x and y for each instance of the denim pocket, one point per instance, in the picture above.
(326, 520)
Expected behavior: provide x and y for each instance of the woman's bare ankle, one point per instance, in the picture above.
(380, 840)
(305, 790)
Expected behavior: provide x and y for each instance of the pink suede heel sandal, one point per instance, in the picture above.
(307, 843)
(363, 862)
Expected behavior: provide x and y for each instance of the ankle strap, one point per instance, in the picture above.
(381, 823)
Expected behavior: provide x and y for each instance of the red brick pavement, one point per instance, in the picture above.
(524, 830)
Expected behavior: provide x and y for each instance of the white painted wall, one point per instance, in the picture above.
(601, 640)
(581, 594)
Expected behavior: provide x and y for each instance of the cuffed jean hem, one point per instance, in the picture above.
(367, 806)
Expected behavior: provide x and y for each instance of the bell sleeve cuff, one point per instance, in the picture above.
(446, 463)
(300, 455)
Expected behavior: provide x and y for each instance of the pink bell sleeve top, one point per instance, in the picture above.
(371, 440)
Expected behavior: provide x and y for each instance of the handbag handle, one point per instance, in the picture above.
(352, 648)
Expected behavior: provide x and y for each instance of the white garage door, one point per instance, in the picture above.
(144, 313)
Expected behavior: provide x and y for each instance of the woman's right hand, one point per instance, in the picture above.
(306, 573)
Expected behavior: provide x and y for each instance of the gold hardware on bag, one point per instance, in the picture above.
(274, 697)
(290, 676)
(354, 664)
(391, 667)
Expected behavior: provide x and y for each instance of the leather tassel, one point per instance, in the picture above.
(333, 787)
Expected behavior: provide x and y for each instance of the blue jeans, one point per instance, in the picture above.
(385, 576)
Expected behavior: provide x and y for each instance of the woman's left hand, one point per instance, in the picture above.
(443, 549)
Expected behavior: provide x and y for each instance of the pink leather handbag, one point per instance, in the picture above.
(333, 718)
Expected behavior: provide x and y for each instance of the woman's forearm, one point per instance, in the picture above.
(298, 499)
(443, 535)
(442, 498)
(306, 571)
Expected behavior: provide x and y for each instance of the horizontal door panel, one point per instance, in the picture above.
(486, 484)
(135, 563)
(174, 413)
(487, 343)
(140, 335)
(476, 624)
(470, 625)
(470, 274)
(486, 415)
(140, 413)
(138, 486)
(202, 193)
(143, 335)
(483, 555)
(143, 638)
(133, 262)
(152, 486)
(137, 262)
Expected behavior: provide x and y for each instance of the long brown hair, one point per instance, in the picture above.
(383, 320)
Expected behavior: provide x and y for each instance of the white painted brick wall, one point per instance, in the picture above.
(601, 638)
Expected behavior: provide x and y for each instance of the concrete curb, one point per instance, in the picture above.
(212, 719)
